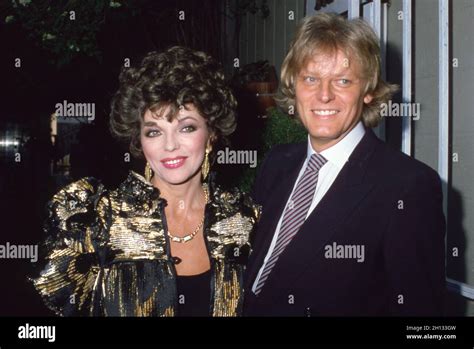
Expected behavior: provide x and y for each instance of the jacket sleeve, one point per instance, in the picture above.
(414, 249)
(74, 226)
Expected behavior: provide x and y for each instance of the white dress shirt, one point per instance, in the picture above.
(336, 156)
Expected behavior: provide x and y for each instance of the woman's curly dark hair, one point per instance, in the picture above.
(174, 78)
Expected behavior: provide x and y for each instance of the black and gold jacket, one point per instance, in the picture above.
(108, 253)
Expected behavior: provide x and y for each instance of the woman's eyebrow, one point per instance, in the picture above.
(187, 117)
(149, 123)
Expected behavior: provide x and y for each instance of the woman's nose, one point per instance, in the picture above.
(171, 143)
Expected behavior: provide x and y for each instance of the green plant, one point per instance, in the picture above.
(279, 129)
(64, 28)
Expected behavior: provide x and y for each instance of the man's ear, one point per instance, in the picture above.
(368, 98)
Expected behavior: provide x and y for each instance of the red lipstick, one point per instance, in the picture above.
(172, 163)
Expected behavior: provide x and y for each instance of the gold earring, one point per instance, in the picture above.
(148, 172)
(205, 164)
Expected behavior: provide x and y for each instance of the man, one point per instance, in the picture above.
(349, 226)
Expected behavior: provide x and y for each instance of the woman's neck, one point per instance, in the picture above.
(188, 195)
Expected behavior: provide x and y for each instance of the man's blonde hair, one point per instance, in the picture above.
(328, 33)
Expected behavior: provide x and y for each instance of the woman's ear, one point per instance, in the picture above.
(212, 139)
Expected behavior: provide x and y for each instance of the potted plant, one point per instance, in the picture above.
(260, 81)
(279, 128)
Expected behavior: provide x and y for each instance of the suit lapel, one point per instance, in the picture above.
(273, 209)
(341, 199)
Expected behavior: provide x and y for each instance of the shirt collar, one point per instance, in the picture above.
(339, 153)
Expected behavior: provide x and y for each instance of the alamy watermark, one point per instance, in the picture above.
(12, 251)
(75, 110)
(336, 251)
(28, 331)
(411, 110)
(227, 156)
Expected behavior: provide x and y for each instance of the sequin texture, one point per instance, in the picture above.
(108, 254)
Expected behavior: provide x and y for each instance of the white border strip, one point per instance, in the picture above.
(354, 9)
(443, 98)
(379, 25)
(378, 18)
(407, 78)
(461, 288)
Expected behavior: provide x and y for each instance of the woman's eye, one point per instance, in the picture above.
(188, 129)
(152, 133)
(309, 79)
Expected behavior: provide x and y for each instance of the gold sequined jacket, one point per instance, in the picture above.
(108, 253)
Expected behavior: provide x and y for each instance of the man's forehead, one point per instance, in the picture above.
(335, 62)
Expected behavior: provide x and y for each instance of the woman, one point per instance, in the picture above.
(169, 243)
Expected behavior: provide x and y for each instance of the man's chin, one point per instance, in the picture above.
(322, 141)
(323, 136)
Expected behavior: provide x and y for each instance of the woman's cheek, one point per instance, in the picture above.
(151, 147)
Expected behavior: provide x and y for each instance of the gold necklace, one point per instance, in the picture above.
(190, 236)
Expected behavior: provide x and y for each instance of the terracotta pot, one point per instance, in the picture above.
(263, 92)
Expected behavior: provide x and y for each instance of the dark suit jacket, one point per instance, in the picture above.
(383, 200)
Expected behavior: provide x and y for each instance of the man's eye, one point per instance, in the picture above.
(344, 81)
(188, 129)
(152, 133)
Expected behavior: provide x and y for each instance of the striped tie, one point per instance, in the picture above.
(295, 214)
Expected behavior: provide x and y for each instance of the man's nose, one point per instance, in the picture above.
(325, 93)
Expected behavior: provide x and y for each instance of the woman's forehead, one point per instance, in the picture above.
(169, 113)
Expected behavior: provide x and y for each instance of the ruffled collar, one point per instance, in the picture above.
(137, 191)
(145, 199)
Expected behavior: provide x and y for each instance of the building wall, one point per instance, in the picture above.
(460, 232)
(269, 38)
(461, 213)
